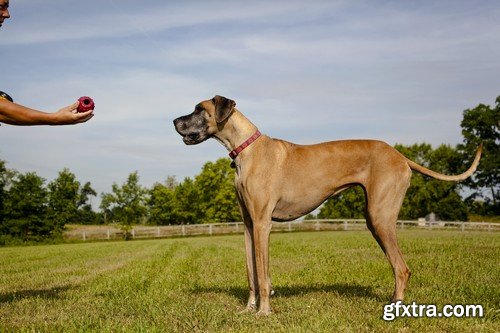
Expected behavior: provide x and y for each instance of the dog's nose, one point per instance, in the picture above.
(179, 125)
(176, 122)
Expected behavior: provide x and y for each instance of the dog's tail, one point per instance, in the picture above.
(433, 174)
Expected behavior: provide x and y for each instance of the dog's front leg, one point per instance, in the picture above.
(261, 231)
(251, 269)
(250, 256)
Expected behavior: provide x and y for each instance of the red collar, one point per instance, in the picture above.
(245, 144)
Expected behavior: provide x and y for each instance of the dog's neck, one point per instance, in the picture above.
(236, 130)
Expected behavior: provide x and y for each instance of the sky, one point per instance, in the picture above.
(303, 71)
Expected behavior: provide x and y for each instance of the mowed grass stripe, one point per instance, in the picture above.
(324, 281)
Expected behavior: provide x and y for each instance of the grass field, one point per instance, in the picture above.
(324, 281)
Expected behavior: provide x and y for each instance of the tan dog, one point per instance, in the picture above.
(279, 180)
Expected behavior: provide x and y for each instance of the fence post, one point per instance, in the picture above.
(345, 225)
(237, 227)
(210, 229)
(463, 226)
(402, 224)
(84, 236)
(108, 234)
(133, 233)
(158, 232)
(289, 226)
(183, 230)
(317, 226)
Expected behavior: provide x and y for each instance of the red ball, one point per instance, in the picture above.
(86, 104)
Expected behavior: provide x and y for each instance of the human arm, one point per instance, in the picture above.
(16, 114)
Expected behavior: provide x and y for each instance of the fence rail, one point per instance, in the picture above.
(110, 233)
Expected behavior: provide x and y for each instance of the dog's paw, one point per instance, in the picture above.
(263, 313)
(251, 305)
(248, 310)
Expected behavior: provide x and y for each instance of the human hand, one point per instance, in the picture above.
(69, 115)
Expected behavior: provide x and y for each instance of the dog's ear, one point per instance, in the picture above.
(223, 108)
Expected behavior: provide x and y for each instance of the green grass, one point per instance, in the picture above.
(325, 282)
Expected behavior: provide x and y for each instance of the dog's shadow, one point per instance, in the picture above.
(48, 294)
(339, 289)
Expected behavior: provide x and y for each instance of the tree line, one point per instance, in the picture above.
(32, 209)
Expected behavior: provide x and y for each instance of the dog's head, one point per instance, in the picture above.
(207, 119)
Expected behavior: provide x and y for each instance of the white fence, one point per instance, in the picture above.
(109, 233)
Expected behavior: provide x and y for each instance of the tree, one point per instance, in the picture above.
(482, 125)
(217, 194)
(161, 203)
(85, 212)
(427, 195)
(3, 181)
(349, 204)
(210, 197)
(187, 204)
(26, 209)
(68, 200)
(127, 203)
(63, 199)
(6, 177)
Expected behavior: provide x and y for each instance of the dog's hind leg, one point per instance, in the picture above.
(384, 201)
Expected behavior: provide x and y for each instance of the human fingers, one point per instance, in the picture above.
(71, 107)
(81, 117)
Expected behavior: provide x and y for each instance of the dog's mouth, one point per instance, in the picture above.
(193, 138)
(188, 138)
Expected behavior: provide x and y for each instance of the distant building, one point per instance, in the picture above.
(433, 218)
